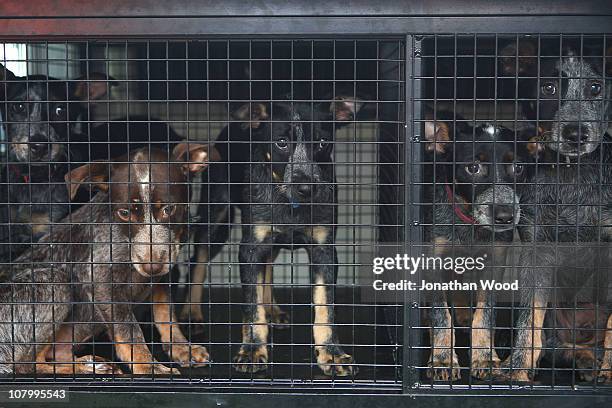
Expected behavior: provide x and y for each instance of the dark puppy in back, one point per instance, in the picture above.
(122, 135)
(476, 206)
(569, 199)
(40, 115)
(45, 121)
(289, 201)
(85, 276)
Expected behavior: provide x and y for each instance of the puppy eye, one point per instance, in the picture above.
(517, 169)
(124, 214)
(282, 143)
(323, 142)
(595, 88)
(59, 110)
(18, 107)
(169, 210)
(549, 89)
(473, 168)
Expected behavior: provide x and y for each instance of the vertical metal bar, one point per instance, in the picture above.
(388, 177)
(412, 194)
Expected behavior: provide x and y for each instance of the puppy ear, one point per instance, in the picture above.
(95, 173)
(534, 145)
(195, 156)
(526, 51)
(93, 88)
(345, 108)
(438, 137)
(251, 115)
(5, 75)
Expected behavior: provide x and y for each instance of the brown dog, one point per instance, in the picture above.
(84, 277)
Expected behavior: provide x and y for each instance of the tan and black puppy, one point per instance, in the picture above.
(476, 210)
(220, 198)
(289, 201)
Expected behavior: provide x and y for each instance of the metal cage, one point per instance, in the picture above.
(331, 137)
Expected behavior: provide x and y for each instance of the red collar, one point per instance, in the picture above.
(24, 177)
(464, 217)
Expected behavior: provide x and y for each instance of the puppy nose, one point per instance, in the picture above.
(503, 214)
(152, 268)
(38, 144)
(575, 134)
(154, 263)
(303, 185)
(305, 190)
(38, 148)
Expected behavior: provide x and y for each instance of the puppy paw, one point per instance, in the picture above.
(507, 373)
(444, 367)
(586, 368)
(91, 364)
(604, 374)
(482, 366)
(155, 368)
(336, 364)
(188, 355)
(585, 375)
(251, 359)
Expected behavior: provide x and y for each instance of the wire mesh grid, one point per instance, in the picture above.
(304, 159)
(289, 139)
(514, 173)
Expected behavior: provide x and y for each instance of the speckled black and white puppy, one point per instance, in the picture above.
(569, 198)
(40, 117)
(568, 95)
(290, 202)
(475, 202)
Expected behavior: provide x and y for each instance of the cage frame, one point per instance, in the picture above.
(147, 19)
